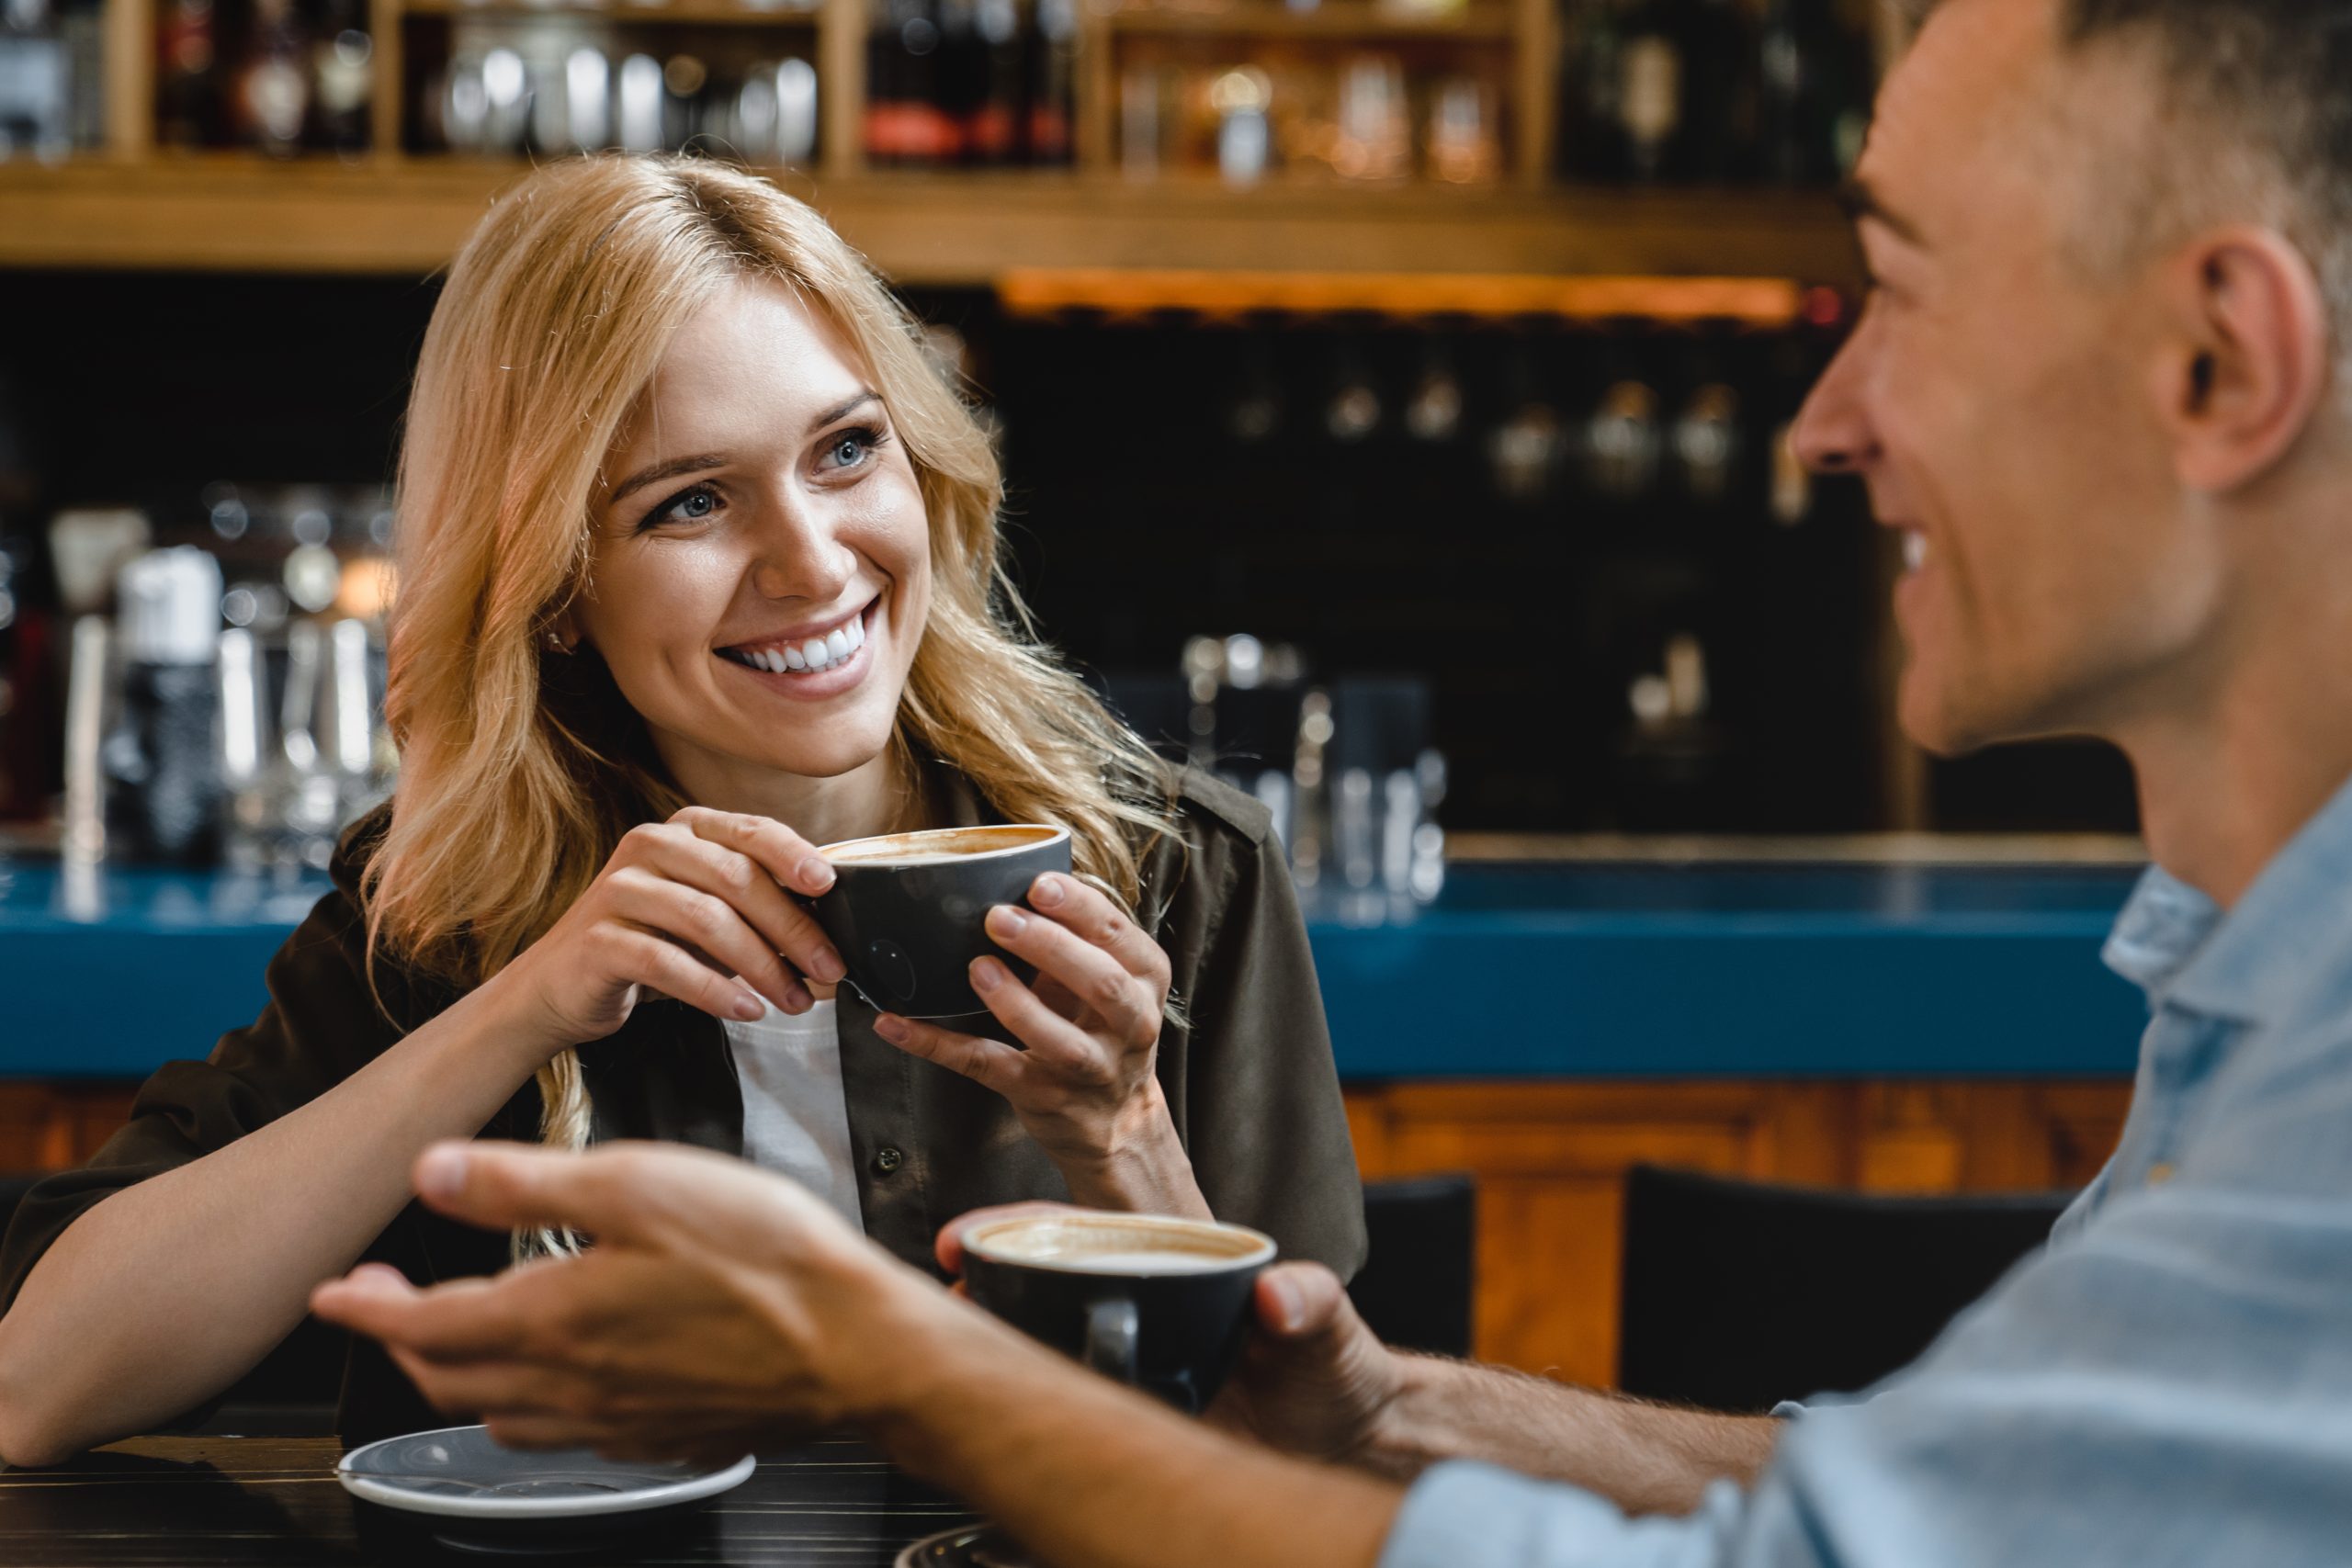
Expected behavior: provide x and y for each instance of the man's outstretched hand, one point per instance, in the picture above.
(722, 1308)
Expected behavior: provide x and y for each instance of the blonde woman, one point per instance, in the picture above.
(700, 569)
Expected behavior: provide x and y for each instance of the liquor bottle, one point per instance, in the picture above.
(1651, 88)
(904, 122)
(273, 92)
(1592, 144)
(1623, 441)
(25, 744)
(683, 79)
(187, 77)
(343, 78)
(36, 82)
(884, 84)
(1717, 137)
(992, 131)
(960, 78)
(1051, 78)
(1707, 442)
(1813, 90)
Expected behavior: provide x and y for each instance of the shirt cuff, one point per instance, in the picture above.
(1463, 1515)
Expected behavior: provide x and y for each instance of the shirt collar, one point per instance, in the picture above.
(2160, 928)
(2290, 931)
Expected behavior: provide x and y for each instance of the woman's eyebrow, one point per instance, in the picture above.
(844, 410)
(669, 467)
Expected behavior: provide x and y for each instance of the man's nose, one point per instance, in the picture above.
(1833, 433)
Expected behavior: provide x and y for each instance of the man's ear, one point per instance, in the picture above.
(2243, 362)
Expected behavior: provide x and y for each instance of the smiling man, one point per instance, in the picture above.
(2100, 386)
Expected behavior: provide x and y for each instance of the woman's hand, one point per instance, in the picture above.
(696, 909)
(1084, 1089)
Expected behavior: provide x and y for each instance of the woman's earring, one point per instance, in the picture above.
(556, 643)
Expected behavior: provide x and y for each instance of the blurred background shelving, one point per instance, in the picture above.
(1319, 128)
(1597, 226)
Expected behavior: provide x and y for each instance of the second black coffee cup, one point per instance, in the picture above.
(906, 910)
(1158, 1302)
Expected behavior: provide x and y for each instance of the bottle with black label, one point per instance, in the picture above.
(343, 78)
(1592, 76)
(1814, 94)
(1717, 134)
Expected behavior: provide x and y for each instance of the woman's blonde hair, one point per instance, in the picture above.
(520, 771)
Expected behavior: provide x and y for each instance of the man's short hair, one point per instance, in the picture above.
(2253, 103)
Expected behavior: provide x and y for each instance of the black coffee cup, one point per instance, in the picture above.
(906, 909)
(1158, 1302)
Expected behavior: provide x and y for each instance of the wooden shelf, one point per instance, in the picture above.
(1353, 23)
(1227, 294)
(729, 12)
(407, 216)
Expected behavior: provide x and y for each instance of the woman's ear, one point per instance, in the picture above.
(2242, 361)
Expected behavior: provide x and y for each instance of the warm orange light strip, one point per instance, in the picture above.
(1755, 302)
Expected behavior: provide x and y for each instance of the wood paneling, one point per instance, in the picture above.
(1551, 1159)
(51, 1126)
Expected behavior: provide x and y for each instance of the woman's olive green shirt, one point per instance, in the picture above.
(1245, 1064)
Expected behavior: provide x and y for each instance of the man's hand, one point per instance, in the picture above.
(721, 1309)
(1314, 1380)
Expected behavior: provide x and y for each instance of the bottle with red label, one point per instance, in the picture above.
(1052, 82)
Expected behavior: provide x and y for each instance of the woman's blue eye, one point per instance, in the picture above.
(687, 506)
(851, 448)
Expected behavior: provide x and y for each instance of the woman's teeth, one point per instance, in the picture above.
(812, 657)
(1915, 551)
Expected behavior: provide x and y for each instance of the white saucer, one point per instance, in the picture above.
(458, 1473)
(965, 1546)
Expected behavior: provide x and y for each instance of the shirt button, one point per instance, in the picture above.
(886, 1160)
(2159, 1173)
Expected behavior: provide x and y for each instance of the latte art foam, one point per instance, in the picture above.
(936, 846)
(1126, 1245)
(1141, 1262)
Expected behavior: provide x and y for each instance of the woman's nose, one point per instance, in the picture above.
(802, 556)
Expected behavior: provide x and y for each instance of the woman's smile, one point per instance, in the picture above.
(815, 660)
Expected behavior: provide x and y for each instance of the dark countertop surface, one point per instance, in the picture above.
(1518, 970)
(187, 1501)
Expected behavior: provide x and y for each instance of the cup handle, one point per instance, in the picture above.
(1111, 1338)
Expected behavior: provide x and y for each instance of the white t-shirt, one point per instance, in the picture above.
(795, 1116)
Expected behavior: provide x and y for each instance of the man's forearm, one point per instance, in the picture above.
(1092, 1475)
(1645, 1458)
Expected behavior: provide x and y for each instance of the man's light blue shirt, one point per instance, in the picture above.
(2168, 1382)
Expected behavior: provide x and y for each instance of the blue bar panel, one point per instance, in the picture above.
(1516, 972)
